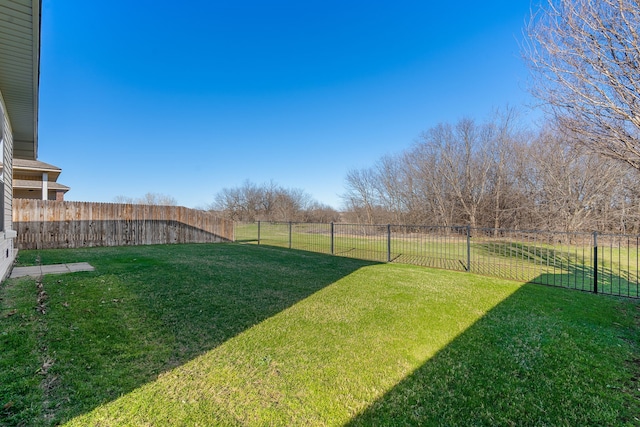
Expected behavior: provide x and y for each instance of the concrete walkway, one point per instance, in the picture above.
(39, 270)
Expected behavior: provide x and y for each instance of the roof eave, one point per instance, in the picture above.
(20, 72)
(37, 28)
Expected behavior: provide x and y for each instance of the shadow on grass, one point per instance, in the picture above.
(147, 309)
(559, 267)
(581, 277)
(571, 276)
(559, 363)
(535, 253)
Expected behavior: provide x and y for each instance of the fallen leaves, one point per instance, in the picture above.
(42, 298)
(46, 365)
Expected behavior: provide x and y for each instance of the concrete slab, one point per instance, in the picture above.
(54, 269)
(26, 271)
(80, 266)
(39, 270)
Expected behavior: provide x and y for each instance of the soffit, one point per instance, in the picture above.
(26, 184)
(19, 71)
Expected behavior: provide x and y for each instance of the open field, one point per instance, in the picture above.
(229, 334)
(536, 257)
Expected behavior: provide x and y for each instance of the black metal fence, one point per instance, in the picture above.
(593, 262)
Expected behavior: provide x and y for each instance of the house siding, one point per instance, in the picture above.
(7, 253)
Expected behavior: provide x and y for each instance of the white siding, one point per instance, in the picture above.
(7, 254)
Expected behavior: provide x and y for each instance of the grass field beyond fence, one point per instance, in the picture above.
(549, 258)
(228, 334)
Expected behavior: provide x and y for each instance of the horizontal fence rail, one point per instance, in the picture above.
(592, 262)
(50, 224)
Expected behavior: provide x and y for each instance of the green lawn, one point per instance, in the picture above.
(230, 334)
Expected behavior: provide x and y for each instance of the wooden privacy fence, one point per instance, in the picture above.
(49, 224)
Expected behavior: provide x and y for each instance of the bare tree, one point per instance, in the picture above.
(148, 199)
(290, 204)
(625, 211)
(391, 185)
(361, 195)
(124, 200)
(269, 202)
(506, 141)
(320, 212)
(243, 203)
(157, 199)
(497, 174)
(454, 174)
(585, 57)
(431, 191)
(569, 188)
(231, 203)
(461, 159)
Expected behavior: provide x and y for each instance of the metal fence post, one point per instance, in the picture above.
(332, 243)
(468, 248)
(388, 242)
(258, 232)
(289, 234)
(595, 262)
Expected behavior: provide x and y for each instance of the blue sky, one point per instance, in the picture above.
(186, 98)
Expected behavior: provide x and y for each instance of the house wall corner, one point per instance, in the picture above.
(7, 235)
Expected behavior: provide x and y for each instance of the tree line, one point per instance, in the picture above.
(496, 174)
(270, 202)
(150, 198)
